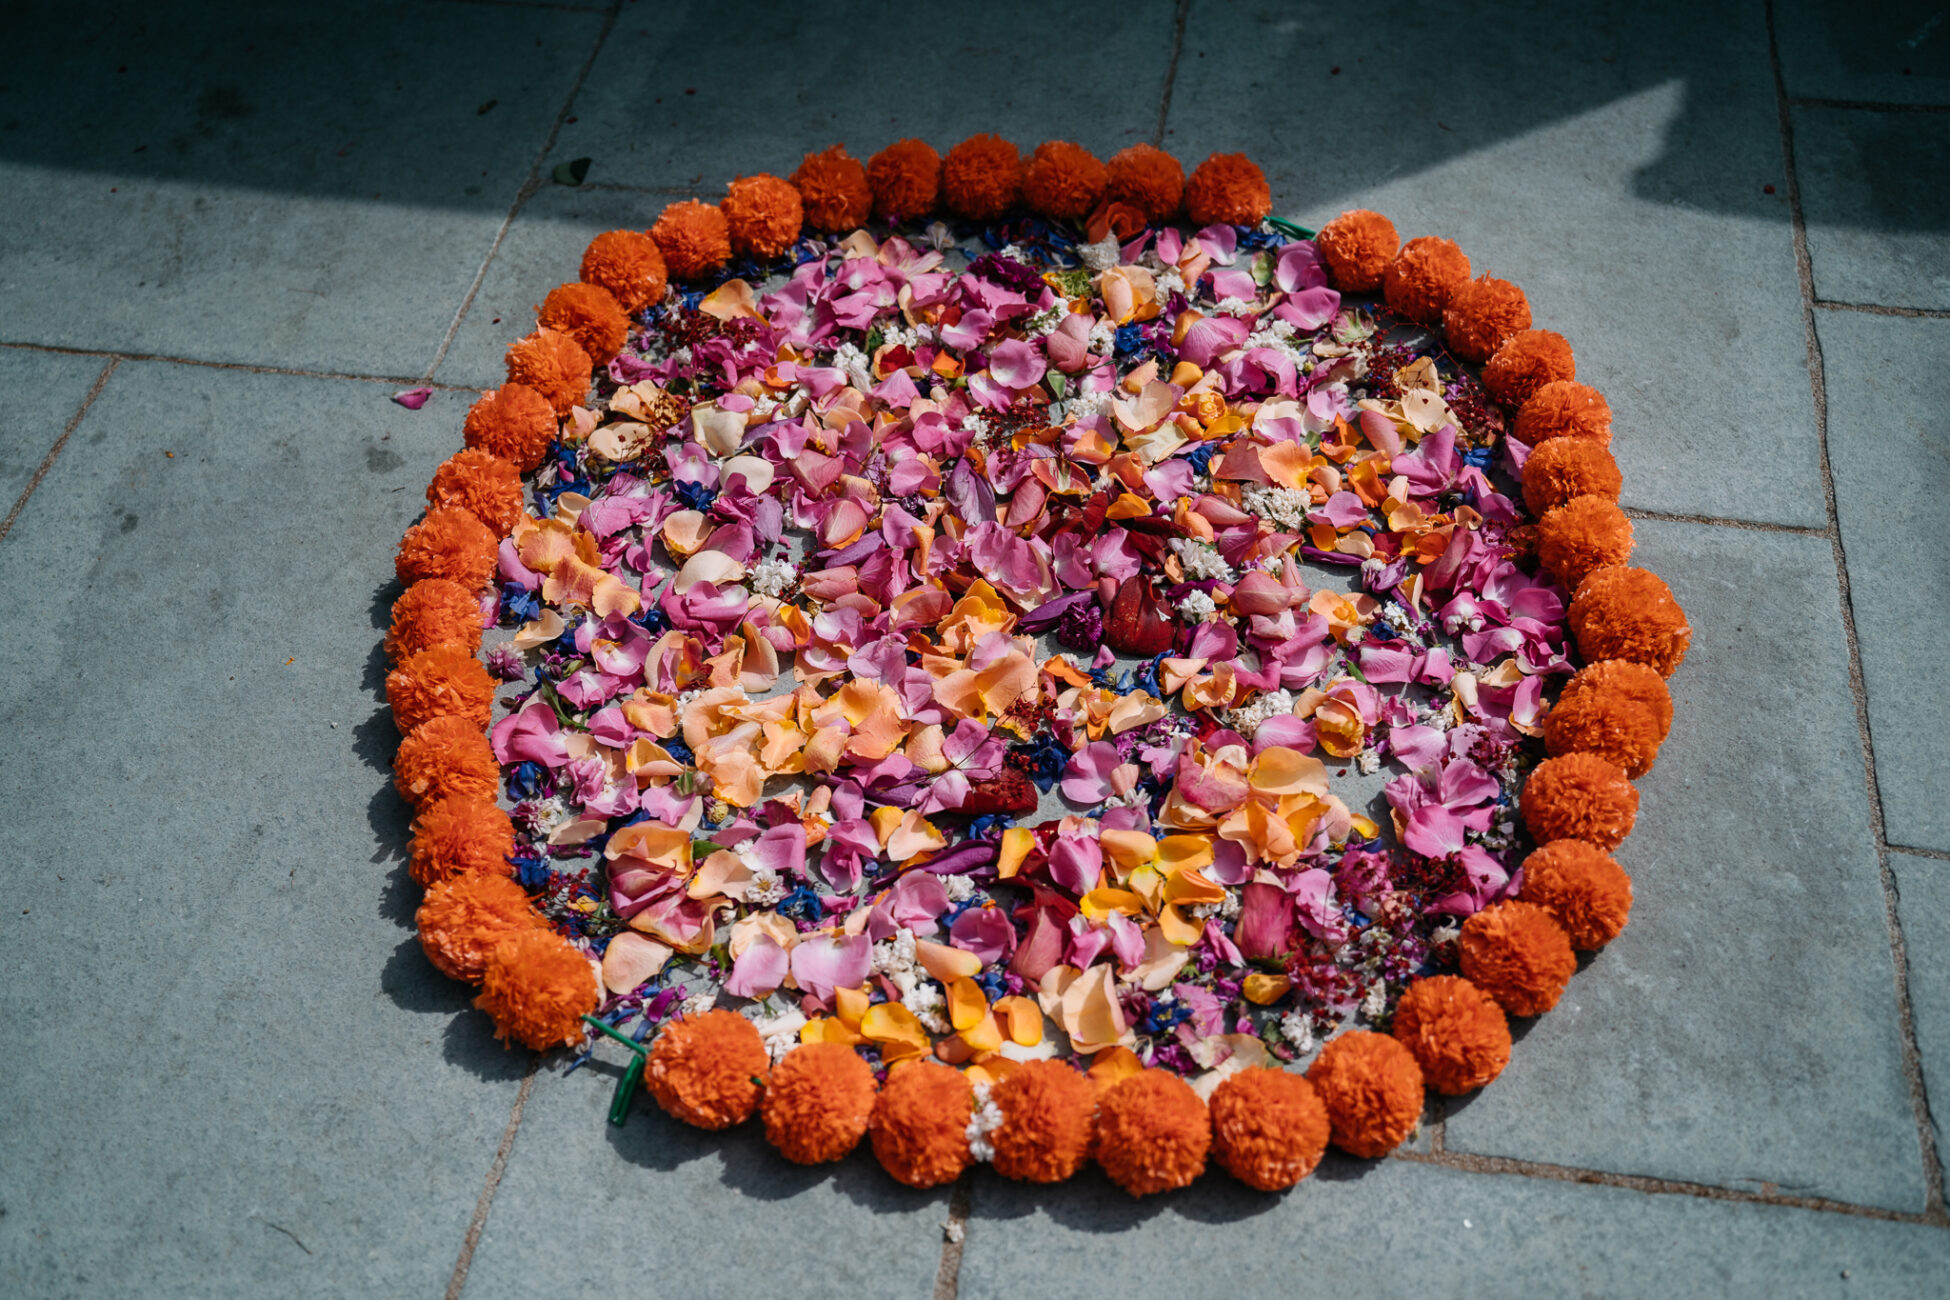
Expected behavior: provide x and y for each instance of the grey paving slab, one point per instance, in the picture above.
(1399, 1229)
(1743, 1029)
(229, 1068)
(1618, 180)
(806, 79)
(1923, 890)
(1872, 195)
(1895, 50)
(304, 186)
(43, 390)
(1890, 444)
(657, 1207)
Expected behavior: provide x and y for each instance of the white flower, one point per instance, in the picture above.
(1103, 337)
(1201, 560)
(894, 956)
(780, 1033)
(1447, 932)
(1197, 606)
(1235, 306)
(960, 888)
(1045, 322)
(766, 888)
(986, 1119)
(850, 358)
(699, 1003)
(1375, 1001)
(773, 577)
(1367, 761)
(1268, 704)
(1298, 1030)
(1170, 282)
(1103, 254)
(925, 1001)
(1282, 507)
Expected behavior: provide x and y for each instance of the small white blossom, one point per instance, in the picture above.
(1267, 704)
(1375, 1001)
(850, 358)
(699, 1003)
(773, 577)
(1103, 254)
(1447, 932)
(925, 1001)
(1197, 606)
(960, 888)
(766, 888)
(1201, 560)
(1170, 282)
(779, 1033)
(1367, 761)
(894, 956)
(986, 1119)
(1298, 1030)
(1235, 307)
(1280, 506)
(1103, 337)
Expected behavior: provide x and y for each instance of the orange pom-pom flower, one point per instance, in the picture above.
(1623, 677)
(1152, 1133)
(589, 315)
(537, 987)
(1269, 1127)
(1481, 314)
(906, 180)
(482, 484)
(694, 237)
(452, 837)
(833, 191)
(554, 365)
(442, 759)
(1372, 1089)
(1357, 247)
(1063, 181)
(1228, 189)
(981, 178)
(434, 611)
(708, 1070)
(464, 919)
(1421, 277)
(1047, 1109)
(440, 681)
(1626, 613)
(513, 422)
(1565, 408)
(1563, 468)
(817, 1103)
(1525, 362)
(1147, 178)
(1583, 534)
(919, 1128)
(1583, 887)
(1610, 724)
(629, 265)
(1579, 797)
(1518, 954)
(1455, 1031)
(449, 543)
(762, 215)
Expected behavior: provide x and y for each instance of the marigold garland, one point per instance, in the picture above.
(1421, 276)
(434, 611)
(513, 422)
(1455, 1031)
(708, 1070)
(629, 265)
(452, 837)
(1269, 1127)
(919, 1126)
(694, 238)
(1147, 178)
(552, 364)
(482, 484)
(1518, 954)
(1153, 1133)
(1372, 1090)
(833, 191)
(817, 1103)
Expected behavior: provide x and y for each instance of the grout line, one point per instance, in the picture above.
(244, 366)
(1171, 70)
(1880, 309)
(536, 4)
(529, 188)
(458, 1281)
(947, 1278)
(622, 187)
(1504, 1165)
(1939, 854)
(54, 452)
(1867, 105)
(1818, 381)
(1662, 516)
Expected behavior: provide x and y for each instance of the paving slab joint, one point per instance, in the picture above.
(1884, 309)
(54, 452)
(458, 1282)
(1171, 70)
(954, 1230)
(1866, 105)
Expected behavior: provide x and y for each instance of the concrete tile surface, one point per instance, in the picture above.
(1872, 196)
(43, 392)
(1743, 1030)
(1923, 887)
(1894, 50)
(229, 1068)
(1890, 444)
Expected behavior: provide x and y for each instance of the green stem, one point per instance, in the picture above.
(1284, 226)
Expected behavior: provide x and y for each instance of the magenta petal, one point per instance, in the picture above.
(822, 963)
(1087, 778)
(759, 970)
(1016, 363)
(1265, 921)
(1433, 831)
(986, 932)
(1076, 863)
(413, 398)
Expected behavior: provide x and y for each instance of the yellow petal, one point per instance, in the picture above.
(967, 1004)
(1262, 989)
(1016, 843)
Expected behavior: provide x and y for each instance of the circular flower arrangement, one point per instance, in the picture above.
(1014, 683)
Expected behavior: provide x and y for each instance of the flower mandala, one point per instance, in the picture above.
(1029, 671)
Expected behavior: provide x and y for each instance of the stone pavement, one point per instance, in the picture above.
(231, 232)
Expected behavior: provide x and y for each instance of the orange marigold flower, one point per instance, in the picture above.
(1525, 362)
(440, 681)
(1518, 954)
(452, 837)
(1357, 247)
(444, 758)
(513, 422)
(464, 919)
(833, 190)
(694, 237)
(1372, 1089)
(1583, 534)
(1421, 277)
(708, 1070)
(1583, 887)
(1565, 408)
(1147, 178)
(762, 215)
(817, 1103)
(981, 178)
(537, 987)
(906, 179)
(482, 484)
(1625, 613)
(629, 265)
(448, 543)
(1623, 677)
(1269, 1127)
(1481, 314)
(1228, 188)
(1063, 181)
(588, 314)
(1611, 724)
(1047, 1111)
(1562, 468)
(919, 1128)
(434, 611)
(1579, 797)
(1455, 1031)
(554, 365)
(1152, 1133)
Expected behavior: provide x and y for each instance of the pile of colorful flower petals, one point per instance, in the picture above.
(825, 558)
